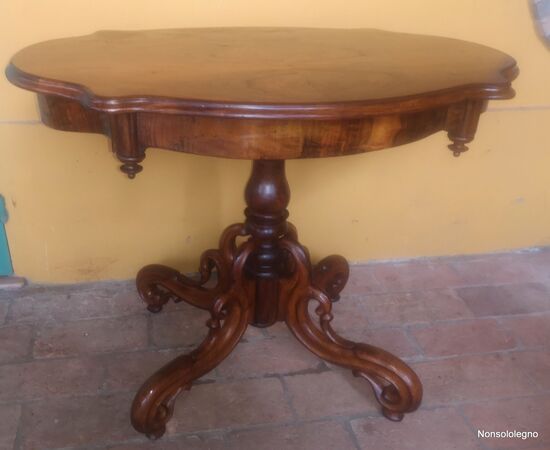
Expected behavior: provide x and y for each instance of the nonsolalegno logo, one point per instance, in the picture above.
(508, 434)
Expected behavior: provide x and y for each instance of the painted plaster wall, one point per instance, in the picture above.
(74, 216)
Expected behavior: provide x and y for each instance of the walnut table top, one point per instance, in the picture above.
(176, 89)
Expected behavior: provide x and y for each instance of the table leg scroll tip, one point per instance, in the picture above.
(155, 436)
(392, 415)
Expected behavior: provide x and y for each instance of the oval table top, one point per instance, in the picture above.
(260, 71)
(290, 92)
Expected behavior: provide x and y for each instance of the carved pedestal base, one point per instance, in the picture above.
(266, 279)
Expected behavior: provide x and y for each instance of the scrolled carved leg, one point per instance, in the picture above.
(158, 284)
(330, 275)
(395, 385)
(230, 314)
(266, 279)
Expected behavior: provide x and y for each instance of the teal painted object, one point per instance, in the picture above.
(5, 260)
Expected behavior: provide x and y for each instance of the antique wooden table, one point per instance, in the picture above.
(264, 94)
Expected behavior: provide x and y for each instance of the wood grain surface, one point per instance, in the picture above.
(262, 72)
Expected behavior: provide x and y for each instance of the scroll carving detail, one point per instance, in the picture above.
(267, 278)
(395, 385)
(158, 284)
(229, 317)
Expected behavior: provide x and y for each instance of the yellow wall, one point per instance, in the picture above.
(74, 216)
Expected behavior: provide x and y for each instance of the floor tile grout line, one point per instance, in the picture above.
(8, 316)
(288, 397)
(519, 341)
(450, 287)
(139, 440)
(18, 441)
(412, 338)
(484, 401)
(129, 393)
(224, 437)
(101, 355)
(289, 423)
(56, 322)
(23, 292)
(52, 323)
(93, 286)
(388, 290)
(528, 376)
(461, 413)
(528, 251)
(422, 325)
(217, 432)
(377, 280)
(227, 379)
(377, 415)
(349, 428)
(32, 343)
(429, 359)
(430, 260)
(94, 355)
(5, 318)
(270, 425)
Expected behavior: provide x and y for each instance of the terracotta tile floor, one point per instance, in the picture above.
(476, 329)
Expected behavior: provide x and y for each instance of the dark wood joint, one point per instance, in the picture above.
(461, 124)
(123, 130)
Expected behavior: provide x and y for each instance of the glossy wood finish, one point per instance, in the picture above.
(267, 95)
(230, 311)
(262, 72)
(266, 279)
(263, 93)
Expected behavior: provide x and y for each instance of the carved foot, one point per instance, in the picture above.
(158, 284)
(230, 313)
(330, 275)
(395, 385)
(458, 147)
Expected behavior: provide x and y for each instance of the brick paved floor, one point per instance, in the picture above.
(476, 329)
